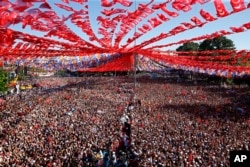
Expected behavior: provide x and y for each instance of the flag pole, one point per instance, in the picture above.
(134, 75)
(135, 65)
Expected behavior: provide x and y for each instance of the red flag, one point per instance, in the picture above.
(67, 97)
(199, 120)
(190, 158)
(113, 11)
(7, 17)
(197, 21)
(125, 3)
(36, 126)
(45, 5)
(172, 14)
(6, 38)
(237, 30)
(220, 8)
(64, 7)
(247, 25)
(147, 10)
(142, 30)
(237, 5)
(137, 34)
(25, 46)
(164, 9)
(18, 45)
(146, 27)
(178, 29)
(33, 0)
(182, 5)
(26, 21)
(4, 5)
(79, 1)
(154, 22)
(158, 6)
(200, 1)
(105, 3)
(21, 6)
(48, 100)
(188, 25)
(158, 116)
(35, 13)
(162, 17)
(66, 1)
(207, 16)
(224, 32)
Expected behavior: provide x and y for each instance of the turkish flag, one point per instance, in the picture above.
(247, 25)
(182, 5)
(64, 7)
(220, 8)
(237, 5)
(79, 1)
(113, 11)
(66, 1)
(45, 5)
(207, 16)
(105, 3)
(125, 3)
(154, 22)
(162, 17)
(188, 25)
(178, 29)
(146, 27)
(172, 14)
(21, 6)
(197, 21)
(5, 5)
(164, 9)
(200, 1)
(6, 38)
(237, 29)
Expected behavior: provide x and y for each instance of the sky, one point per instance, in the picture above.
(241, 40)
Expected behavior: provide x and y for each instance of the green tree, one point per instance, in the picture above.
(3, 80)
(219, 43)
(189, 46)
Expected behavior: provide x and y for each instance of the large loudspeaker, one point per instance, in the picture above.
(25, 70)
(17, 70)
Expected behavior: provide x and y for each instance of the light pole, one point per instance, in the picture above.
(134, 75)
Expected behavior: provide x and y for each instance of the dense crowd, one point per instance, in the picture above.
(97, 121)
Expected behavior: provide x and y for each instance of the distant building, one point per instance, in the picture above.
(167, 53)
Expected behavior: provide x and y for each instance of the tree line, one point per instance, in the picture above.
(215, 44)
(219, 43)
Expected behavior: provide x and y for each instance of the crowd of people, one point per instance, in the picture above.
(106, 121)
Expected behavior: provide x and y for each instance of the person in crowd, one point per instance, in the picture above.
(176, 125)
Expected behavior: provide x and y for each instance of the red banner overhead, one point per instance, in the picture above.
(123, 63)
(40, 28)
(116, 20)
